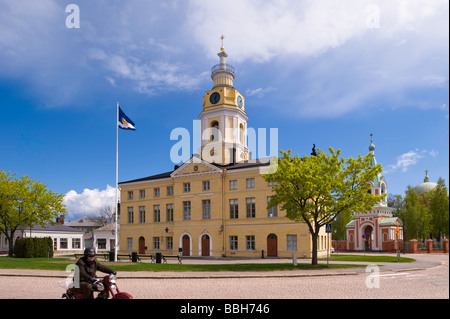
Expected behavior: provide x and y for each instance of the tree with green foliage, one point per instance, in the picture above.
(317, 189)
(416, 220)
(439, 209)
(425, 215)
(26, 203)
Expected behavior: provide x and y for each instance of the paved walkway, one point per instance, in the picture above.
(426, 278)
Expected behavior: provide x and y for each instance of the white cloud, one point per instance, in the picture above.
(404, 161)
(88, 201)
(434, 153)
(145, 77)
(435, 80)
(408, 159)
(259, 92)
(261, 30)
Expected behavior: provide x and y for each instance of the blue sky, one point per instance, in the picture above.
(323, 72)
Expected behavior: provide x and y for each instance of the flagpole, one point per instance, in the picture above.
(117, 185)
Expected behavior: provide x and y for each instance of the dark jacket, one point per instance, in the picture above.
(87, 269)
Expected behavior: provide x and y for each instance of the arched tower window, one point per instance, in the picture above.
(215, 131)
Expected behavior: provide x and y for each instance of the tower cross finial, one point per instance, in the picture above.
(221, 38)
(371, 137)
(426, 173)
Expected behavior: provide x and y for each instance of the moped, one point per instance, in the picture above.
(106, 288)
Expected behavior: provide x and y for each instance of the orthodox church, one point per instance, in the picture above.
(375, 230)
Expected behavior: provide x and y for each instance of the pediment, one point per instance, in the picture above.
(195, 167)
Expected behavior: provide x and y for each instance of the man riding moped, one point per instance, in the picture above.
(88, 265)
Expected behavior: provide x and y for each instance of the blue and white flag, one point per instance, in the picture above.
(124, 121)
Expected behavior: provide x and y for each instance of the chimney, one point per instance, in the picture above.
(60, 220)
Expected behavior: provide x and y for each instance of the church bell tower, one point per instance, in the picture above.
(223, 119)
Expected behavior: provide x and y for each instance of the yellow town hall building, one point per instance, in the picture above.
(215, 204)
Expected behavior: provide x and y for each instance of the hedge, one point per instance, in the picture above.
(33, 247)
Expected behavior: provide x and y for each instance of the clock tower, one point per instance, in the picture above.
(223, 119)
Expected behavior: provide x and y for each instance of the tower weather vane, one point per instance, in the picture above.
(221, 38)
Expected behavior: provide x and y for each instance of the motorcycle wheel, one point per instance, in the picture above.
(123, 295)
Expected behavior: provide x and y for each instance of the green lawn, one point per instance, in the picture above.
(62, 263)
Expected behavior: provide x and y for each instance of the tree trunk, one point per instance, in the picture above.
(314, 248)
(10, 239)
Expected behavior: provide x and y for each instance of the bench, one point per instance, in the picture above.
(151, 257)
(179, 258)
(120, 257)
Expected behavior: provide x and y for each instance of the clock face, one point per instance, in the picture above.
(214, 98)
(239, 100)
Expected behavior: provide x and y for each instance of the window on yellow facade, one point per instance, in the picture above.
(234, 209)
(142, 214)
(206, 207)
(156, 192)
(156, 213)
(169, 243)
(233, 184)
(251, 210)
(142, 193)
(250, 242)
(130, 215)
(233, 242)
(186, 187)
(271, 212)
(187, 210)
(169, 212)
(292, 242)
(169, 190)
(250, 183)
(130, 243)
(206, 186)
(155, 243)
(130, 195)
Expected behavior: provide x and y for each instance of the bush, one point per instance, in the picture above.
(33, 247)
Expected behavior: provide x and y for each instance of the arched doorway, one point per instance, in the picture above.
(368, 236)
(205, 245)
(141, 245)
(272, 245)
(186, 245)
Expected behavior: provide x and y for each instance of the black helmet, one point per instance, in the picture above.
(89, 252)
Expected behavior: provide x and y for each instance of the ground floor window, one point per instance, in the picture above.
(63, 243)
(250, 242)
(130, 243)
(169, 243)
(155, 243)
(233, 243)
(101, 243)
(292, 242)
(76, 243)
